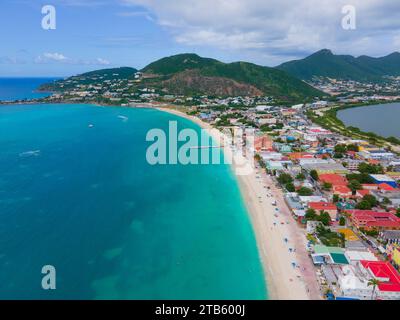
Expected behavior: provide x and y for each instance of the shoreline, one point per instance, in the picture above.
(283, 281)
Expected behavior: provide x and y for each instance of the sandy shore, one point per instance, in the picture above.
(289, 273)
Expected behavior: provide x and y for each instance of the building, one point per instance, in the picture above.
(374, 220)
(328, 255)
(376, 154)
(396, 256)
(333, 179)
(263, 143)
(342, 191)
(356, 256)
(353, 281)
(328, 207)
(323, 166)
(381, 178)
(295, 156)
(362, 193)
(389, 288)
(390, 236)
(393, 196)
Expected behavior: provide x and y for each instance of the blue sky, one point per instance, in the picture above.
(94, 34)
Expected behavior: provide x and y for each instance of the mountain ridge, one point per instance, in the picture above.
(190, 74)
(269, 81)
(324, 63)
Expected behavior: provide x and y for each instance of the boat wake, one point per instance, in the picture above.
(123, 118)
(33, 153)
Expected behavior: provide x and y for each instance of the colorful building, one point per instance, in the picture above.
(328, 207)
(333, 179)
(263, 143)
(374, 220)
(396, 256)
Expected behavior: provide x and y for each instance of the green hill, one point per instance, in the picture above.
(326, 64)
(92, 77)
(189, 73)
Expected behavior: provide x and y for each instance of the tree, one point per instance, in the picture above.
(362, 177)
(327, 186)
(340, 148)
(386, 201)
(301, 177)
(314, 175)
(285, 178)
(363, 205)
(398, 212)
(374, 283)
(342, 221)
(353, 147)
(311, 215)
(370, 168)
(355, 185)
(265, 128)
(336, 198)
(325, 218)
(290, 187)
(371, 200)
(303, 191)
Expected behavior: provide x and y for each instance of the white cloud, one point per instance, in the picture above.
(102, 62)
(56, 57)
(278, 28)
(47, 57)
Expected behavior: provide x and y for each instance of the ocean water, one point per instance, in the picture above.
(84, 200)
(381, 119)
(22, 88)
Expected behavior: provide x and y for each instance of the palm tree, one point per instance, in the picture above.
(374, 283)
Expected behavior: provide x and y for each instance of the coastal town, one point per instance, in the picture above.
(334, 198)
(340, 194)
(210, 159)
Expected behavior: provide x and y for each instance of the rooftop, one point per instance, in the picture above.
(390, 278)
(334, 179)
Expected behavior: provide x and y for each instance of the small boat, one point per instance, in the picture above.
(91, 125)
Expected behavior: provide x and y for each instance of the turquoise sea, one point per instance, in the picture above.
(84, 200)
(22, 88)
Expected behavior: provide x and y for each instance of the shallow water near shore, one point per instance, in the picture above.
(76, 192)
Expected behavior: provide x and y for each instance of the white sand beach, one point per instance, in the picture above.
(289, 273)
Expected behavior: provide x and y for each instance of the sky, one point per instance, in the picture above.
(96, 34)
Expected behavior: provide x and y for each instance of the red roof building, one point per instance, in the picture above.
(328, 207)
(370, 219)
(387, 275)
(263, 143)
(333, 179)
(300, 155)
(342, 191)
(362, 193)
(386, 187)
